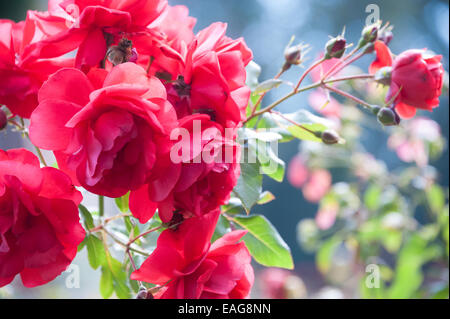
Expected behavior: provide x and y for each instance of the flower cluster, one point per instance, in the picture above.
(109, 114)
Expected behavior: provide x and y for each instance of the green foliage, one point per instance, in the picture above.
(264, 242)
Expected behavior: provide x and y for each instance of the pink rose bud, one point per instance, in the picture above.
(335, 47)
(293, 54)
(330, 137)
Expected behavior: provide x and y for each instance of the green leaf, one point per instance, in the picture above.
(253, 72)
(325, 254)
(87, 217)
(119, 277)
(310, 123)
(436, 198)
(122, 202)
(82, 244)
(268, 122)
(96, 251)
(122, 290)
(415, 253)
(264, 242)
(222, 227)
(106, 283)
(249, 185)
(267, 86)
(372, 197)
(271, 165)
(266, 197)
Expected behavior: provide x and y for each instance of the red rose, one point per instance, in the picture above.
(195, 268)
(20, 80)
(39, 222)
(416, 82)
(96, 25)
(109, 132)
(206, 166)
(383, 57)
(416, 79)
(177, 27)
(211, 77)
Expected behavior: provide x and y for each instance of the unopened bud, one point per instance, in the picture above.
(330, 137)
(144, 294)
(293, 54)
(383, 75)
(3, 119)
(386, 36)
(388, 117)
(335, 47)
(375, 109)
(369, 34)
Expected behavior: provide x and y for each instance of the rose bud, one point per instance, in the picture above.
(388, 117)
(335, 47)
(383, 75)
(293, 54)
(330, 137)
(3, 119)
(386, 36)
(417, 78)
(369, 34)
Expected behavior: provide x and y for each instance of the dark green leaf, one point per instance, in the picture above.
(96, 251)
(122, 202)
(106, 283)
(87, 217)
(436, 198)
(249, 185)
(264, 242)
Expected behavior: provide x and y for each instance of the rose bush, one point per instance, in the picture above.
(173, 126)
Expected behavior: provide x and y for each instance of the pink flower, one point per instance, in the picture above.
(39, 222)
(211, 77)
(318, 185)
(416, 79)
(326, 216)
(20, 80)
(297, 172)
(327, 106)
(412, 143)
(110, 131)
(314, 183)
(193, 268)
(95, 26)
(383, 57)
(205, 172)
(416, 82)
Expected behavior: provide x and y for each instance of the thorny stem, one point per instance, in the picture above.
(293, 122)
(108, 220)
(348, 96)
(343, 65)
(131, 241)
(101, 205)
(121, 243)
(309, 87)
(331, 71)
(264, 94)
(315, 64)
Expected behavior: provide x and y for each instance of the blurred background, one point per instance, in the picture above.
(267, 27)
